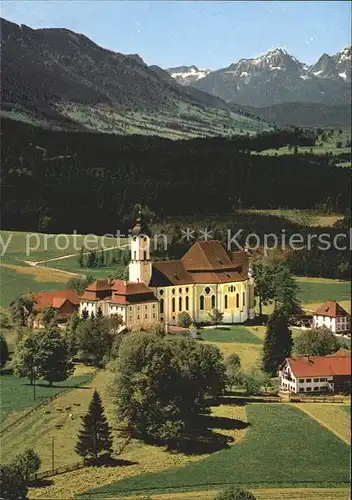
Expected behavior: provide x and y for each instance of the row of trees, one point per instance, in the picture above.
(103, 258)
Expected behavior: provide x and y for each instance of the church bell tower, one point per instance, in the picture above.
(140, 267)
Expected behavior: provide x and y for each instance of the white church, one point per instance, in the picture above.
(207, 277)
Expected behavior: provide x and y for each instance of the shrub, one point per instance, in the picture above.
(184, 319)
(234, 494)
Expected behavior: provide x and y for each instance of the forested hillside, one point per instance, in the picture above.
(61, 181)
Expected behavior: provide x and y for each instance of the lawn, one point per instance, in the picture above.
(16, 394)
(238, 334)
(17, 277)
(315, 290)
(283, 447)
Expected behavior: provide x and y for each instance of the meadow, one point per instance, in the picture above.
(17, 395)
(18, 249)
(272, 454)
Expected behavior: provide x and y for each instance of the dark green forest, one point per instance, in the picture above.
(61, 181)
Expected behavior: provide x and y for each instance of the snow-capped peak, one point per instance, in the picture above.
(187, 74)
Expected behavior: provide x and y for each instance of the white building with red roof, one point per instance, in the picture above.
(207, 277)
(333, 316)
(317, 374)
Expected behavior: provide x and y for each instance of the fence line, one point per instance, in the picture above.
(46, 401)
(60, 470)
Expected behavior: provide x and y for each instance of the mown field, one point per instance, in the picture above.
(17, 395)
(283, 447)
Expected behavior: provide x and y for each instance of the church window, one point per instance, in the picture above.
(146, 307)
(138, 316)
(144, 238)
(244, 299)
(180, 303)
(153, 306)
(187, 303)
(207, 290)
(144, 255)
(237, 300)
(180, 290)
(213, 301)
(161, 306)
(173, 304)
(135, 255)
(153, 315)
(201, 303)
(146, 315)
(229, 289)
(187, 289)
(161, 292)
(138, 308)
(225, 299)
(173, 291)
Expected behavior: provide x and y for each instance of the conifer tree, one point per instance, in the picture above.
(94, 438)
(277, 342)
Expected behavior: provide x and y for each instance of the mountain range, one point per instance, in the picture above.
(275, 78)
(55, 77)
(60, 79)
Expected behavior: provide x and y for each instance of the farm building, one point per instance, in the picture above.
(333, 316)
(316, 373)
(65, 302)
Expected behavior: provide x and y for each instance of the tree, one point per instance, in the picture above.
(49, 317)
(26, 360)
(285, 290)
(94, 340)
(162, 385)
(85, 314)
(216, 316)
(115, 323)
(94, 438)
(4, 350)
(184, 319)
(28, 463)
(233, 367)
(21, 309)
(55, 363)
(277, 342)
(42, 355)
(263, 284)
(4, 321)
(79, 284)
(12, 483)
(316, 342)
(81, 257)
(233, 493)
(71, 334)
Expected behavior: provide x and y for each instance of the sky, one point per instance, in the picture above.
(209, 34)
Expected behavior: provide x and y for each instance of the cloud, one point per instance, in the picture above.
(309, 40)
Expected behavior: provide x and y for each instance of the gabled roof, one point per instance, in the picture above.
(320, 366)
(130, 288)
(55, 298)
(332, 309)
(205, 262)
(99, 285)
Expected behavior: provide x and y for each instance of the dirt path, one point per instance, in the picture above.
(36, 263)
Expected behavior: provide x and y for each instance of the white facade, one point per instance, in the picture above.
(140, 266)
(340, 324)
(290, 383)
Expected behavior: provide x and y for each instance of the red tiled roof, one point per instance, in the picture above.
(332, 309)
(130, 287)
(205, 262)
(55, 298)
(320, 366)
(100, 285)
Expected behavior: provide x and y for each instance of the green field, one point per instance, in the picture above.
(317, 291)
(237, 334)
(18, 248)
(283, 447)
(16, 394)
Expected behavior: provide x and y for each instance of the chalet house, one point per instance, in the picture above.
(207, 277)
(65, 302)
(333, 316)
(316, 373)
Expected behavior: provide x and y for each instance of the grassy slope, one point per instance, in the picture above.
(16, 394)
(283, 448)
